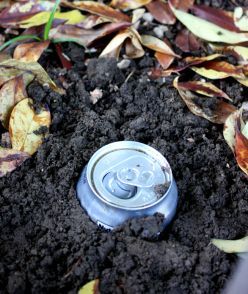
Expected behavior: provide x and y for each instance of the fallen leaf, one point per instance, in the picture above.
(241, 148)
(84, 37)
(203, 88)
(129, 4)
(30, 51)
(27, 127)
(161, 12)
(65, 60)
(133, 47)
(236, 135)
(71, 17)
(186, 41)
(164, 60)
(217, 113)
(11, 93)
(239, 52)
(217, 16)
(17, 12)
(98, 9)
(90, 288)
(232, 246)
(240, 17)
(208, 31)
(12, 68)
(219, 70)
(157, 45)
(10, 159)
(185, 63)
(184, 5)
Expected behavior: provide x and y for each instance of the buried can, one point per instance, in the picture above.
(124, 180)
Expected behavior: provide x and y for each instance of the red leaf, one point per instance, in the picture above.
(184, 5)
(164, 60)
(63, 58)
(161, 12)
(186, 41)
(217, 16)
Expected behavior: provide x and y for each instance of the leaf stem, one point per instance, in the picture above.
(50, 21)
(19, 38)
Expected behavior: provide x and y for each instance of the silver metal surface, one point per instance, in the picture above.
(127, 179)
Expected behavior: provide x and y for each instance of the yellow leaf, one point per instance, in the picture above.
(90, 288)
(232, 246)
(12, 68)
(207, 30)
(240, 17)
(71, 17)
(28, 128)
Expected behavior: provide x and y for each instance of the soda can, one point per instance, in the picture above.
(124, 180)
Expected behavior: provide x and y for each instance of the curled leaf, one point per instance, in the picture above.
(236, 135)
(30, 51)
(208, 107)
(165, 60)
(157, 45)
(132, 40)
(11, 93)
(90, 288)
(27, 127)
(11, 68)
(208, 31)
(10, 159)
(232, 246)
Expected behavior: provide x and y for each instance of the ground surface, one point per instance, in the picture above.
(47, 242)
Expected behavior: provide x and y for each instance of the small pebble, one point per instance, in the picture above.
(148, 17)
(158, 32)
(124, 63)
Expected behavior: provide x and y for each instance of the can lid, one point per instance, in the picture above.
(129, 174)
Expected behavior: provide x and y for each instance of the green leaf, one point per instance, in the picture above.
(50, 21)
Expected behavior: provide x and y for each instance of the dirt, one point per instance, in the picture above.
(48, 244)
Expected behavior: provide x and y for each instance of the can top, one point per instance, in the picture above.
(129, 175)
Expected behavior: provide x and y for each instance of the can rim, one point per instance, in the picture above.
(120, 145)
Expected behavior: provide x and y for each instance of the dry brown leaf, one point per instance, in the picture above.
(164, 60)
(215, 15)
(132, 43)
(236, 135)
(30, 51)
(219, 70)
(12, 68)
(129, 4)
(186, 41)
(161, 12)
(98, 9)
(85, 37)
(17, 12)
(157, 45)
(10, 159)
(28, 128)
(241, 149)
(203, 88)
(218, 112)
(183, 5)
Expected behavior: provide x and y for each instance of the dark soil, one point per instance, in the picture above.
(48, 243)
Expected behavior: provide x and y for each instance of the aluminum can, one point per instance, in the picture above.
(125, 180)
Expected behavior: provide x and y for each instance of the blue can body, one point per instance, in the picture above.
(107, 214)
